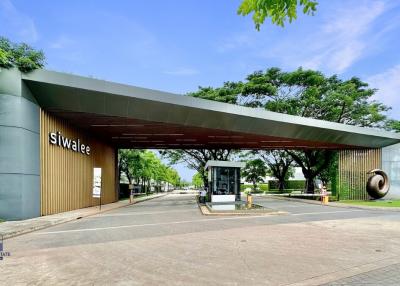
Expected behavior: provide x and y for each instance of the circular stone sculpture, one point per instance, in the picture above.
(378, 185)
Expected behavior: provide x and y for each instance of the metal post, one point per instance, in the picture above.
(101, 187)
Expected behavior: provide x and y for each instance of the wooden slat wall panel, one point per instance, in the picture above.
(353, 168)
(67, 176)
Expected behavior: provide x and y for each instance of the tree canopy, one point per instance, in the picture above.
(280, 165)
(254, 172)
(142, 166)
(306, 93)
(197, 180)
(279, 11)
(22, 56)
(393, 125)
(196, 159)
(309, 93)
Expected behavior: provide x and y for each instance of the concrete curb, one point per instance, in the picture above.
(343, 205)
(11, 229)
(205, 211)
(332, 204)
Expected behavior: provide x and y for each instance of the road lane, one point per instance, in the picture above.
(171, 231)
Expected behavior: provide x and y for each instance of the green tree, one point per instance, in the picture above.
(184, 183)
(254, 172)
(6, 57)
(393, 125)
(280, 165)
(143, 166)
(173, 177)
(130, 162)
(313, 163)
(151, 168)
(160, 174)
(279, 11)
(330, 173)
(197, 180)
(307, 93)
(22, 56)
(196, 159)
(228, 93)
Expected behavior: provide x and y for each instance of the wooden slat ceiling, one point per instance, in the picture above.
(134, 133)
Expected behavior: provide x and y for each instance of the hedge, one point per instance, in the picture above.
(285, 191)
(273, 187)
(292, 184)
(261, 187)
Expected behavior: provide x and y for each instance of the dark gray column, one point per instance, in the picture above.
(19, 149)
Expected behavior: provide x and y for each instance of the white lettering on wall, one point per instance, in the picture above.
(56, 138)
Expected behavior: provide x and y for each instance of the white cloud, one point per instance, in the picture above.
(388, 85)
(340, 42)
(336, 42)
(341, 34)
(62, 42)
(182, 72)
(330, 42)
(234, 42)
(19, 25)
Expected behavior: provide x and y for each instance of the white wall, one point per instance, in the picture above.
(391, 165)
(298, 175)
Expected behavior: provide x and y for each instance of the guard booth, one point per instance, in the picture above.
(224, 181)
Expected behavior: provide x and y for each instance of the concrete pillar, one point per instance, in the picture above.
(19, 149)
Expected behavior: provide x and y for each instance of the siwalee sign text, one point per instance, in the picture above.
(56, 138)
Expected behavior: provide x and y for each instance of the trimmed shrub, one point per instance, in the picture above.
(292, 184)
(261, 188)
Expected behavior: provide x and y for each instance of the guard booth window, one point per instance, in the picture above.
(225, 181)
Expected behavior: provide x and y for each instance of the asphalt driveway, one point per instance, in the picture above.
(168, 241)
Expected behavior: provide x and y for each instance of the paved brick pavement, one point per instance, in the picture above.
(386, 276)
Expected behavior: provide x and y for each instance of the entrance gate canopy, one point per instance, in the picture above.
(133, 117)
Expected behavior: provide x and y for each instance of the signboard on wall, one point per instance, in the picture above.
(57, 139)
(96, 182)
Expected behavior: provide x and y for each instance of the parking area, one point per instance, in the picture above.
(167, 241)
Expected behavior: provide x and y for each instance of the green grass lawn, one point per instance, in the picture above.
(385, 203)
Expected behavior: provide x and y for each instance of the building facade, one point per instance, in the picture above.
(38, 177)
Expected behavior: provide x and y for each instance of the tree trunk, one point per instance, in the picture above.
(205, 181)
(310, 185)
(281, 183)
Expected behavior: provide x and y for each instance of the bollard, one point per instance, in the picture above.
(249, 199)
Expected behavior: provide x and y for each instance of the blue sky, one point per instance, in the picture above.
(176, 45)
